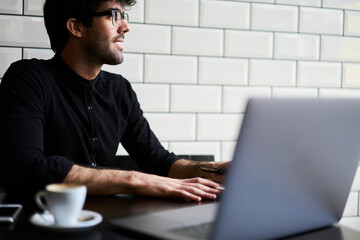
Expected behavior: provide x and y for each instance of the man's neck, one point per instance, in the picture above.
(80, 63)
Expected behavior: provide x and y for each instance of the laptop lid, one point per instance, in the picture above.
(291, 172)
(293, 167)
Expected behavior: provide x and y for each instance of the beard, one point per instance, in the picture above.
(103, 50)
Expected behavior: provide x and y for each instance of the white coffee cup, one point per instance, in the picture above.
(63, 201)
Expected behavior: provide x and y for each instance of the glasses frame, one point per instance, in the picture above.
(112, 12)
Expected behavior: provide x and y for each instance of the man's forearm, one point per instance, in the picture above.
(183, 168)
(102, 181)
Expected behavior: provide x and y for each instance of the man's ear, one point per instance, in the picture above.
(75, 27)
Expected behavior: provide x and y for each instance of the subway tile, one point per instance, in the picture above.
(312, 3)
(343, 4)
(272, 73)
(352, 205)
(319, 74)
(356, 182)
(223, 71)
(319, 20)
(227, 150)
(274, 17)
(248, 44)
(173, 12)
(23, 32)
(338, 93)
(280, 92)
(33, 7)
(334, 48)
(297, 46)
(236, 98)
(352, 23)
(131, 68)
(153, 97)
(136, 12)
(223, 14)
(38, 53)
(195, 98)
(147, 38)
(173, 127)
(351, 75)
(197, 41)
(257, 1)
(196, 148)
(8, 56)
(170, 69)
(223, 127)
(11, 6)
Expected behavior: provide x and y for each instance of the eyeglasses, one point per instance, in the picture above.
(116, 14)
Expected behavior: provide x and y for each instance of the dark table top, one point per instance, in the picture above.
(112, 207)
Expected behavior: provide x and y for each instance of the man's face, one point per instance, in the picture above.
(103, 41)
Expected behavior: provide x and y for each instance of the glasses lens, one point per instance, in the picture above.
(116, 17)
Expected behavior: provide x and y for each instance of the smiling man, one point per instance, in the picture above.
(61, 120)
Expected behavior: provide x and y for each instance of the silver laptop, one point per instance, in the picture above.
(291, 172)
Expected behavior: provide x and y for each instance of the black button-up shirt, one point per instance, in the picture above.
(51, 118)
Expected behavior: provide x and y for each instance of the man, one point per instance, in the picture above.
(61, 120)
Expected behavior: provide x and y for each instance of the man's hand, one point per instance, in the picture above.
(194, 189)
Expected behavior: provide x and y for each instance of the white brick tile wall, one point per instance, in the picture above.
(194, 63)
(178, 12)
(319, 74)
(235, 98)
(11, 6)
(224, 14)
(8, 56)
(340, 48)
(228, 149)
(131, 68)
(197, 148)
(313, 3)
(173, 127)
(23, 31)
(351, 75)
(272, 73)
(33, 7)
(352, 20)
(171, 69)
(339, 93)
(282, 92)
(148, 39)
(274, 17)
(153, 97)
(223, 127)
(297, 46)
(343, 4)
(197, 41)
(248, 44)
(136, 12)
(29, 53)
(195, 98)
(323, 21)
(223, 71)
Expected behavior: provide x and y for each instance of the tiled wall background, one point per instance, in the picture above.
(194, 63)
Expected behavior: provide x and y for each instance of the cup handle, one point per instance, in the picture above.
(39, 201)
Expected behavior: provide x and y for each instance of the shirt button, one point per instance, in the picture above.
(93, 164)
(95, 139)
(90, 107)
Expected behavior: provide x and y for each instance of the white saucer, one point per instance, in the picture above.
(46, 220)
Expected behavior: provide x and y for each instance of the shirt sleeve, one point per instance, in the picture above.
(22, 118)
(142, 144)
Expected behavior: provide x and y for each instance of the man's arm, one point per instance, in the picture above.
(109, 181)
(187, 169)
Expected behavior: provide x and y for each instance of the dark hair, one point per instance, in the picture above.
(57, 12)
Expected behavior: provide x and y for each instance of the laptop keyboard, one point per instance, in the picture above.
(198, 231)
